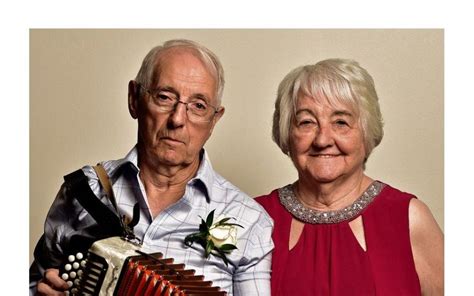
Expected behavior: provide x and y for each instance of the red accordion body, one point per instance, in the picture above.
(117, 267)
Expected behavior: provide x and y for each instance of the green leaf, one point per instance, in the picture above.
(209, 248)
(232, 224)
(222, 221)
(194, 237)
(227, 247)
(210, 219)
(223, 256)
(188, 240)
(203, 227)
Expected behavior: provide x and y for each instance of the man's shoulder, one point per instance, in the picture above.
(111, 167)
(226, 189)
(222, 183)
(237, 201)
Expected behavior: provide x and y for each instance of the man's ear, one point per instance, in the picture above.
(219, 114)
(133, 96)
(217, 117)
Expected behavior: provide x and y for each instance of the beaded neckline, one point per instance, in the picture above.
(299, 211)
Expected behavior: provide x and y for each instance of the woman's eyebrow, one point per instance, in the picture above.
(342, 113)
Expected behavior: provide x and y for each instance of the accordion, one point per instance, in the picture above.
(115, 266)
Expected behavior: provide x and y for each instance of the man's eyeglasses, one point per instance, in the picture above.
(197, 109)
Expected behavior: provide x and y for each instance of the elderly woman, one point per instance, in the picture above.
(337, 230)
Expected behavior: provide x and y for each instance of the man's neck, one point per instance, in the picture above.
(164, 177)
(165, 185)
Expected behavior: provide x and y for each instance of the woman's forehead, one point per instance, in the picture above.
(309, 100)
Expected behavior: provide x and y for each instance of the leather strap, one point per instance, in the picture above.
(126, 222)
(105, 182)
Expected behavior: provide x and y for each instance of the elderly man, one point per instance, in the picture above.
(176, 99)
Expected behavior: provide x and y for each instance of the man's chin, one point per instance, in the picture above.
(171, 158)
(171, 161)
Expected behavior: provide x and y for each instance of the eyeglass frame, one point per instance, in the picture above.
(178, 101)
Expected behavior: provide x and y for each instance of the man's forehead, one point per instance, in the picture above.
(179, 50)
(182, 67)
(175, 56)
(181, 53)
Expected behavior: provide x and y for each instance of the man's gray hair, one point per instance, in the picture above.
(147, 70)
(337, 81)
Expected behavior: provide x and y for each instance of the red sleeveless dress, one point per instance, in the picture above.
(328, 260)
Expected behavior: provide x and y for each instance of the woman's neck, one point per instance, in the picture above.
(333, 195)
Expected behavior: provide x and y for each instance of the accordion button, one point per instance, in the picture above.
(71, 258)
(64, 276)
(79, 272)
(69, 283)
(67, 267)
(79, 256)
(74, 291)
(83, 263)
(66, 293)
(75, 265)
(72, 274)
(77, 282)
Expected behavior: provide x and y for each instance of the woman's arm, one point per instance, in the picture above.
(427, 242)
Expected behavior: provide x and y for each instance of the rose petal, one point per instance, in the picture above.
(220, 233)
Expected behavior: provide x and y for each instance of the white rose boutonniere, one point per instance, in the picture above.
(222, 235)
(217, 238)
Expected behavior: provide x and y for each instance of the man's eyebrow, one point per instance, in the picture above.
(200, 96)
(168, 89)
(175, 92)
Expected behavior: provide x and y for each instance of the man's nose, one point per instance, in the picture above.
(178, 115)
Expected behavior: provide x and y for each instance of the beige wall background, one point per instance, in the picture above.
(79, 115)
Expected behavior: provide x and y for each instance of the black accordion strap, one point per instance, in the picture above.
(126, 222)
(109, 192)
(78, 187)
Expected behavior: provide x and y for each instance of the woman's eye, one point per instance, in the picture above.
(341, 122)
(305, 122)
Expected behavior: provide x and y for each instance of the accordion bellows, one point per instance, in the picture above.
(117, 267)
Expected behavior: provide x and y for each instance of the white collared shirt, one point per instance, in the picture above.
(249, 271)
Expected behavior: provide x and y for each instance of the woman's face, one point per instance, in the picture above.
(326, 142)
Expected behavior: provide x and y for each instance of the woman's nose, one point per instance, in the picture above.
(323, 137)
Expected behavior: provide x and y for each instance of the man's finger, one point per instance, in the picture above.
(51, 276)
(43, 289)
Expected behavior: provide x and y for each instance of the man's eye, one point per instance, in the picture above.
(199, 106)
(163, 97)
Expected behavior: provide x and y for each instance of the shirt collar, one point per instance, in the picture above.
(114, 167)
(204, 178)
(204, 175)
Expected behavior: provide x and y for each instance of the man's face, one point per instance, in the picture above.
(169, 138)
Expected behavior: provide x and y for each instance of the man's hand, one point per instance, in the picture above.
(51, 284)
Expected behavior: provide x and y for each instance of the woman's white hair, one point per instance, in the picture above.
(339, 81)
(146, 74)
